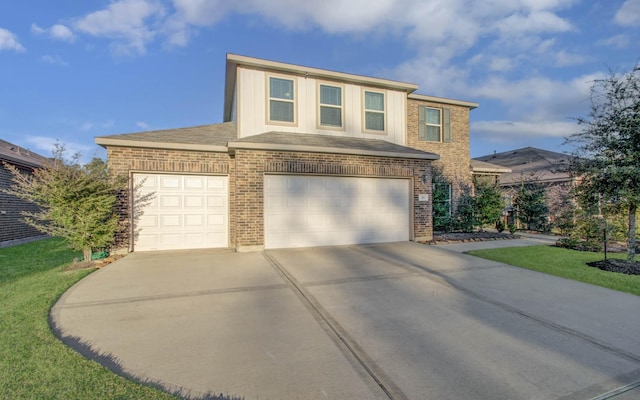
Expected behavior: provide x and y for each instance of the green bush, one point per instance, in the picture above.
(500, 226)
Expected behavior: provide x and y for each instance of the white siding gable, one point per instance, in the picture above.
(252, 104)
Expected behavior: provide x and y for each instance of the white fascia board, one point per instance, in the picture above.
(327, 150)
(320, 73)
(444, 100)
(103, 141)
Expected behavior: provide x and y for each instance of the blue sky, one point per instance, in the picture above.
(72, 70)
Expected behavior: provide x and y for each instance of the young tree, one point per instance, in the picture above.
(530, 204)
(608, 147)
(76, 202)
(488, 204)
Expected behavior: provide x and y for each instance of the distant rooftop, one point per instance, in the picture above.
(19, 155)
(531, 163)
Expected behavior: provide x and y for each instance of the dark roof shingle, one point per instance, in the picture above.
(17, 155)
(328, 144)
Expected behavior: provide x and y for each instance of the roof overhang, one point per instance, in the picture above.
(328, 150)
(106, 141)
(442, 100)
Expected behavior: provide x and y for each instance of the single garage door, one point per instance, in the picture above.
(183, 212)
(302, 211)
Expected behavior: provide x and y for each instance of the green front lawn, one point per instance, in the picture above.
(34, 364)
(570, 264)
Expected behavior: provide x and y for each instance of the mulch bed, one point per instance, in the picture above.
(103, 262)
(615, 265)
(463, 237)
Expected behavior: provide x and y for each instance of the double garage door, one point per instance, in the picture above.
(302, 211)
(192, 211)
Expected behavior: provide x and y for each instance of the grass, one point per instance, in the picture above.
(570, 264)
(34, 364)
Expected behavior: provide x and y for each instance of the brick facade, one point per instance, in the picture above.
(455, 160)
(251, 166)
(11, 207)
(126, 160)
(246, 170)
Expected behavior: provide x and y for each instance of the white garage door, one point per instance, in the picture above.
(184, 212)
(303, 211)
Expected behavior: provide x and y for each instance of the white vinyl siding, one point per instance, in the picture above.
(253, 110)
(303, 211)
(182, 212)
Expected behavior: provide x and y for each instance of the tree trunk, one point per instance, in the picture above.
(631, 239)
(86, 253)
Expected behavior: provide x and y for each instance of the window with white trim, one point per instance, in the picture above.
(281, 100)
(374, 118)
(331, 106)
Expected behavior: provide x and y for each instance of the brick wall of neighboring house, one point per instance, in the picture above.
(124, 160)
(11, 207)
(252, 165)
(454, 155)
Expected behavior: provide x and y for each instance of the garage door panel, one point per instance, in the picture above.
(191, 201)
(170, 221)
(170, 201)
(216, 220)
(148, 221)
(194, 183)
(194, 221)
(216, 201)
(318, 211)
(170, 182)
(184, 211)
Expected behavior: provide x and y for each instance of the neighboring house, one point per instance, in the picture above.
(488, 172)
(13, 229)
(303, 157)
(533, 165)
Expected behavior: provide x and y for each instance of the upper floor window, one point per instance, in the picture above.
(331, 106)
(281, 100)
(434, 124)
(374, 111)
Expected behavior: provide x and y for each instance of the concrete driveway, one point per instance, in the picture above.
(399, 321)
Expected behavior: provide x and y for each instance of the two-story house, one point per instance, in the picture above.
(304, 157)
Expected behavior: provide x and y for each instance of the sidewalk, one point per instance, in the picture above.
(526, 239)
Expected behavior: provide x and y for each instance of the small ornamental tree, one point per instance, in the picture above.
(77, 202)
(530, 204)
(608, 146)
(488, 204)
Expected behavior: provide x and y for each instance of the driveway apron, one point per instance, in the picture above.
(399, 320)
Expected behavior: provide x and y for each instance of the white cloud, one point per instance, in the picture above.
(61, 32)
(566, 59)
(57, 32)
(142, 125)
(539, 21)
(53, 59)
(620, 41)
(9, 41)
(131, 24)
(629, 13)
(518, 129)
(45, 146)
(37, 29)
